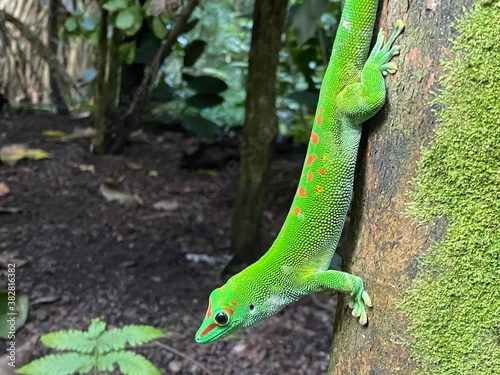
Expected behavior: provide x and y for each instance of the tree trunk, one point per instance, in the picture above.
(55, 91)
(384, 242)
(259, 130)
(115, 124)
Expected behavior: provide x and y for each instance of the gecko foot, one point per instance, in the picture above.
(381, 54)
(359, 298)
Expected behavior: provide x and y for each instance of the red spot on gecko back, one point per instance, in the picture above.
(314, 138)
(319, 120)
(210, 327)
(323, 157)
(301, 191)
(296, 211)
(318, 189)
(234, 303)
(309, 176)
(321, 171)
(310, 159)
(321, 110)
(223, 287)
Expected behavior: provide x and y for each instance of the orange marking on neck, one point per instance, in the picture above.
(309, 176)
(219, 301)
(208, 329)
(234, 303)
(228, 310)
(301, 191)
(296, 211)
(319, 120)
(310, 159)
(209, 310)
(223, 287)
(318, 189)
(321, 171)
(314, 138)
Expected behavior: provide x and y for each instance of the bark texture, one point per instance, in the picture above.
(384, 242)
(260, 128)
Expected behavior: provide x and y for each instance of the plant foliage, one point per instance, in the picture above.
(95, 348)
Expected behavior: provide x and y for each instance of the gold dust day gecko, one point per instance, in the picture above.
(297, 263)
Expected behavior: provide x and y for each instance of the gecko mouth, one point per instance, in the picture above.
(200, 336)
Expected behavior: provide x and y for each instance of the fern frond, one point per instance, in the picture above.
(96, 327)
(59, 364)
(117, 338)
(69, 340)
(130, 363)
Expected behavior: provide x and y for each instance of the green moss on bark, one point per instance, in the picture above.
(455, 301)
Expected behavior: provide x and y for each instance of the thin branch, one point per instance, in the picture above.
(186, 357)
(147, 84)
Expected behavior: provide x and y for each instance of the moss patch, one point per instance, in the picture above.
(455, 301)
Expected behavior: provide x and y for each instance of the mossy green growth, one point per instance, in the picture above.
(454, 304)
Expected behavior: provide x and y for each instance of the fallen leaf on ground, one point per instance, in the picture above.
(166, 205)
(58, 134)
(115, 195)
(79, 133)
(4, 189)
(85, 167)
(133, 165)
(11, 154)
(153, 173)
(23, 356)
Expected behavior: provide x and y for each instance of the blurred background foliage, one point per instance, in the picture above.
(201, 81)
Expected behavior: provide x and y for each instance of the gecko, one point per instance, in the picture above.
(297, 263)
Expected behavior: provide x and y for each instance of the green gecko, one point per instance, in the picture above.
(297, 263)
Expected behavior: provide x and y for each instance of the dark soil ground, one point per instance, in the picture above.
(80, 256)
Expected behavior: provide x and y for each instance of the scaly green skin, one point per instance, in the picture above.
(353, 90)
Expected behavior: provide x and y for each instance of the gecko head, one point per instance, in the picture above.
(230, 308)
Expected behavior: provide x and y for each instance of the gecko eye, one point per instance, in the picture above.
(221, 319)
(251, 307)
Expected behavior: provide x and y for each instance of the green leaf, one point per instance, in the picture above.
(125, 19)
(96, 327)
(187, 77)
(207, 84)
(200, 126)
(69, 340)
(306, 19)
(18, 306)
(114, 5)
(134, 335)
(71, 24)
(306, 97)
(193, 51)
(127, 52)
(162, 93)
(204, 100)
(147, 48)
(130, 363)
(158, 27)
(189, 26)
(59, 364)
